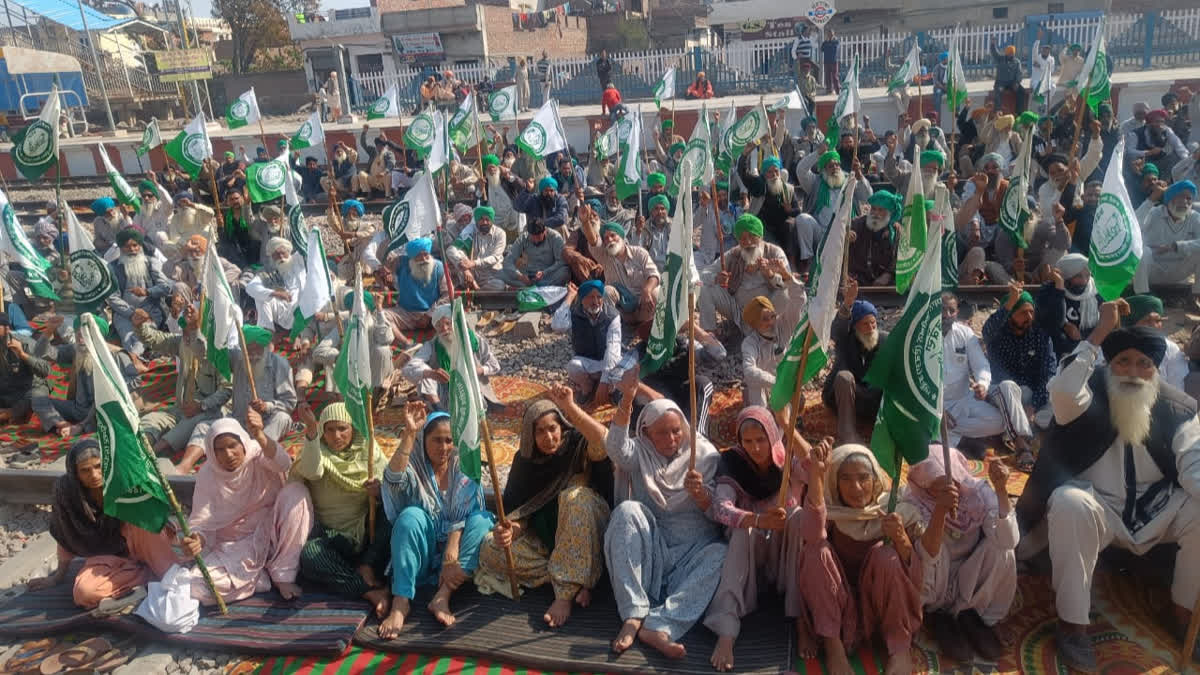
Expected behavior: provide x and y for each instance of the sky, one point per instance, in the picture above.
(204, 7)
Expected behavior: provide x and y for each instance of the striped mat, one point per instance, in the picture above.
(360, 661)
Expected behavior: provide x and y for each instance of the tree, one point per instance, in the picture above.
(255, 24)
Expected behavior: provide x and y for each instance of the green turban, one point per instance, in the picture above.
(676, 146)
(481, 211)
(101, 323)
(612, 227)
(348, 302)
(723, 185)
(888, 200)
(667, 124)
(830, 156)
(147, 186)
(1141, 306)
(1148, 168)
(490, 160)
(748, 222)
(1027, 118)
(128, 233)
(257, 335)
(929, 156)
(659, 199)
(656, 179)
(1024, 299)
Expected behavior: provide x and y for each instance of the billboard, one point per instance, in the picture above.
(183, 65)
(419, 46)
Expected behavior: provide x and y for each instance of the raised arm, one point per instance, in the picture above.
(595, 432)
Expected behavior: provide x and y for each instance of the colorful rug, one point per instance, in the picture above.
(359, 660)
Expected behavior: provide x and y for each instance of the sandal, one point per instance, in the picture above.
(1025, 461)
(29, 655)
(76, 657)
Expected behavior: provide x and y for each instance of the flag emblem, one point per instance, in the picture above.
(923, 350)
(271, 177)
(1112, 240)
(240, 109)
(38, 144)
(306, 131)
(1013, 208)
(395, 222)
(422, 131)
(90, 278)
(381, 105)
(195, 148)
(535, 137)
(296, 231)
(746, 130)
(498, 103)
(696, 153)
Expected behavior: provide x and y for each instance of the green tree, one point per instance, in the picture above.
(255, 24)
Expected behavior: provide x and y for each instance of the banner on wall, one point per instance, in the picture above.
(418, 46)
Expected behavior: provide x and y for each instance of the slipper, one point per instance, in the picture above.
(505, 327)
(29, 654)
(75, 657)
(114, 659)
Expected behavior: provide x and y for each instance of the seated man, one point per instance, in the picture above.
(77, 413)
(266, 226)
(20, 371)
(978, 220)
(476, 258)
(110, 219)
(545, 205)
(311, 177)
(1068, 304)
(343, 168)
(536, 258)
(772, 199)
(1120, 466)
(187, 220)
(1170, 240)
(576, 252)
(276, 289)
(857, 339)
(872, 248)
(762, 350)
(654, 233)
(357, 234)
(240, 240)
(753, 268)
(429, 369)
(973, 408)
(189, 268)
(591, 319)
(1147, 311)
(420, 281)
(140, 283)
(632, 277)
(319, 344)
(156, 210)
(1021, 352)
(464, 181)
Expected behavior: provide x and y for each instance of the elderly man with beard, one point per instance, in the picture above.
(873, 246)
(857, 338)
(501, 187)
(20, 372)
(752, 268)
(545, 206)
(654, 234)
(716, 222)
(772, 199)
(1147, 311)
(476, 258)
(429, 368)
(110, 219)
(976, 222)
(1068, 302)
(276, 289)
(1170, 239)
(536, 258)
(342, 169)
(1120, 466)
(140, 283)
(76, 414)
(188, 269)
(577, 253)
(1154, 141)
(631, 275)
(420, 281)
(266, 226)
(464, 181)
(824, 190)
(591, 319)
(156, 211)
(188, 219)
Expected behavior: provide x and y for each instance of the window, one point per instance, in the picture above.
(999, 12)
(355, 13)
(370, 63)
(1055, 8)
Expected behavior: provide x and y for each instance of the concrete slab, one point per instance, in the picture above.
(529, 325)
(32, 559)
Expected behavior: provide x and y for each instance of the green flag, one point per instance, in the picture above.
(544, 134)
(243, 110)
(848, 103)
(465, 130)
(538, 298)
(191, 147)
(352, 372)
(665, 89)
(750, 127)
(220, 316)
(698, 153)
(1014, 208)
(502, 104)
(133, 491)
(949, 261)
(35, 148)
(956, 78)
(908, 369)
(15, 245)
(908, 70)
(310, 133)
(267, 181)
(1094, 76)
(1116, 247)
(151, 138)
(466, 399)
(672, 309)
(386, 106)
(420, 132)
(125, 194)
(629, 161)
(913, 228)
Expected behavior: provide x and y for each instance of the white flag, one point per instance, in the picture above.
(310, 133)
(386, 106)
(793, 101)
(191, 146)
(544, 134)
(78, 239)
(502, 104)
(665, 89)
(243, 111)
(439, 153)
(220, 314)
(125, 193)
(1116, 247)
(352, 372)
(698, 154)
(317, 290)
(414, 217)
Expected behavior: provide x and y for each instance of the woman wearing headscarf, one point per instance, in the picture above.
(763, 536)
(664, 554)
(119, 556)
(437, 515)
(853, 583)
(333, 464)
(969, 553)
(247, 522)
(556, 499)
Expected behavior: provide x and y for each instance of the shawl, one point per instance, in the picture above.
(339, 498)
(824, 195)
(736, 468)
(77, 524)
(223, 498)
(976, 499)
(1089, 305)
(425, 491)
(663, 477)
(864, 524)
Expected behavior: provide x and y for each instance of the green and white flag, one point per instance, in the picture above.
(502, 104)
(133, 490)
(466, 398)
(91, 278)
(849, 102)
(544, 134)
(220, 316)
(151, 138)
(793, 101)
(914, 225)
(752, 126)
(607, 143)
(420, 132)
(465, 129)
(538, 298)
(1116, 247)
(679, 278)
(297, 228)
(35, 148)
(413, 217)
(665, 89)
(267, 181)
(821, 310)
(1014, 209)
(439, 152)
(908, 70)
(16, 247)
(908, 369)
(191, 147)
(78, 239)
(956, 78)
(386, 106)
(1094, 75)
(697, 153)
(949, 260)
(309, 134)
(243, 111)
(629, 161)
(352, 372)
(724, 160)
(317, 290)
(125, 193)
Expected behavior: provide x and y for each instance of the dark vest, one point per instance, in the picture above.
(590, 338)
(1071, 448)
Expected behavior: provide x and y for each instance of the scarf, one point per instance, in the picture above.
(1089, 306)
(443, 354)
(737, 469)
(663, 477)
(865, 524)
(339, 498)
(224, 498)
(425, 491)
(976, 499)
(77, 524)
(824, 195)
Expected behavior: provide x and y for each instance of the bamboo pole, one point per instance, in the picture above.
(717, 223)
(370, 463)
(1080, 103)
(212, 176)
(692, 371)
(246, 362)
(335, 213)
(797, 406)
(262, 133)
(508, 554)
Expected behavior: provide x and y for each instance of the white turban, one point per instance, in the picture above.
(440, 312)
(1072, 264)
(275, 244)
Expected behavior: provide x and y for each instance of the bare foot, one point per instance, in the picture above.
(806, 643)
(662, 642)
(559, 612)
(288, 590)
(394, 623)
(378, 598)
(63, 429)
(368, 575)
(584, 597)
(628, 632)
(836, 661)
(899, 663)
(722, 656)
(191, 455)
(440, 606)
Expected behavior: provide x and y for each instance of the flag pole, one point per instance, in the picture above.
(508, 554)
(370, 459)
(262, 133)
(717, 223)
(1079, 106)
(691, 367)
(212, 176)
(797, 406)
(246, 362)
(183, 524)
(335, 213)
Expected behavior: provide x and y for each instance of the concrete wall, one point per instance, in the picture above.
(279, 93)
(460, 28)
(569, 38)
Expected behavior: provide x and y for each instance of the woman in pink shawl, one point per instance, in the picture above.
(247, 521)
(969, 555)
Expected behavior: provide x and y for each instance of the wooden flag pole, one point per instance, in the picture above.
(246, 362)
(335, 213)
(797, 406)
(717, 223)
(262, 133)
(212, 177)
(1189, 641)
(370, 464)
(1080, 103)
(692, 371)
(508, 554)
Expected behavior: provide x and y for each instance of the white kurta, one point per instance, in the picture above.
(273, 311)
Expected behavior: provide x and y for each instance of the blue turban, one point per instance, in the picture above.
(434, 417)
(588, 286)
(102, 205)
(353, 204)
(1178, 187)
(943, 56)
(262, 150)
(860, 309)
(184, 194)
(416, 247)
(596, 204)
(770, 162)
(547, 182)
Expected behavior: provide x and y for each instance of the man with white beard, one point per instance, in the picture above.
(856, 337)
(477, 257)
(1120, 466)
(76, 414)
(267, 225)
(752, 268)
(189, 268)
(140, 284)
(772, 199)
(501, 185)
(276, 290)
(592, 321)
(824, 190)
(872, 249)
(429, 369)
(633, 278)
(188, 219)
(654, 234)
(110, 219)
(420, 282)
(156, 210)
(1170, 240)
(931, 163)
